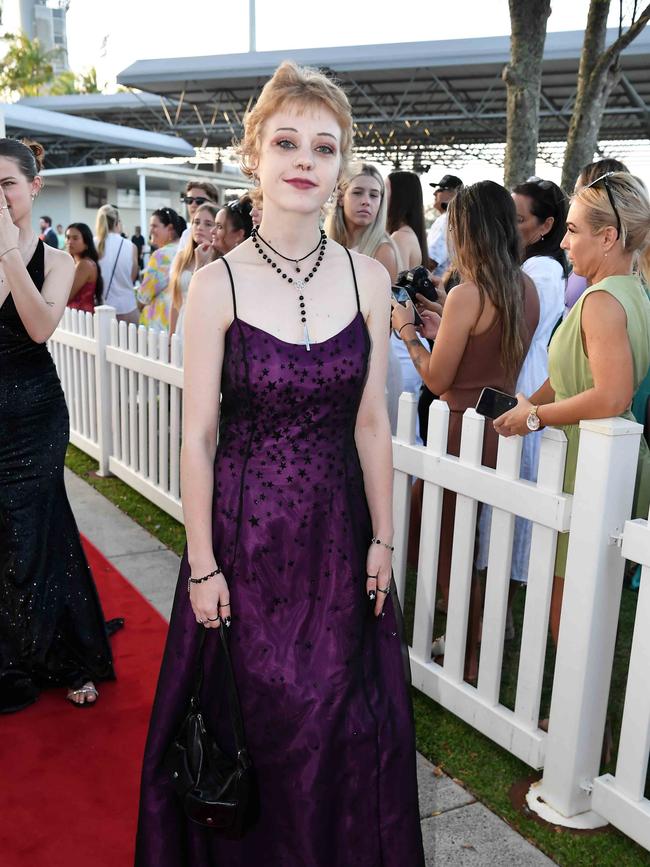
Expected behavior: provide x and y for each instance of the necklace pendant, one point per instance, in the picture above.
(299, 284)
(307, 345)
(297, 268)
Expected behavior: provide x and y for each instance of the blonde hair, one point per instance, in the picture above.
(633, 205)
(374, 235)
(107, 219)
(185, 257)
(297, 87)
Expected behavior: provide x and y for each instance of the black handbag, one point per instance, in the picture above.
(216, 790)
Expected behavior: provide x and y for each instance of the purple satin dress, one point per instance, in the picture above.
(322, 682)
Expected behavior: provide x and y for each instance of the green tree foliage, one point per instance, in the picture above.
(26, 68)
(69, 82)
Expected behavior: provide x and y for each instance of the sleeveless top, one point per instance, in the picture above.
(119, 293)
(570, 374)
(85, 297)
(17, 349)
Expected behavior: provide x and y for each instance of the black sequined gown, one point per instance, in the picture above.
(52, 630)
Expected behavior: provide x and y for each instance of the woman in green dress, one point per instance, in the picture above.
(601, 352)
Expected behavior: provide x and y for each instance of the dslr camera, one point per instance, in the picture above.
(416, 281)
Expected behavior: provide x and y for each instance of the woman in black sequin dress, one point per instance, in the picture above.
(52, 630)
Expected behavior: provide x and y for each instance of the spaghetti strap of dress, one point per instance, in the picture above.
(232, 288)
(354, 277)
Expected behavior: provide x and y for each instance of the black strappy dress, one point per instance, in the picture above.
(52, 630)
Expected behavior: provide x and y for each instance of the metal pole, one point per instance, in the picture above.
(144, 222)
(251, 26)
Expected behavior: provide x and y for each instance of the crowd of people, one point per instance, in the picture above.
(283, 300)
(111, 269)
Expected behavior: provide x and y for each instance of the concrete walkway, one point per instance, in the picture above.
(457, 829)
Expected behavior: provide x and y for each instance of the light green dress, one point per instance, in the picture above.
(570, 374)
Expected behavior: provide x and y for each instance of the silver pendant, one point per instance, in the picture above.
(299, 284)
(307, 346)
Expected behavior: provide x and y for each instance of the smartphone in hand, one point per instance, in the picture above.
(493, 403)
(401, 295)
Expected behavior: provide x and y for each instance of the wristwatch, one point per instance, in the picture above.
(533, 422)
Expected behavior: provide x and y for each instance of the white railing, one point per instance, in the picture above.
(620, 798)
(74, 349)
(124, 392)
(146, 405)
(542, 503)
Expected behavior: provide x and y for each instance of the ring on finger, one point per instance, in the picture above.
(373, 577)
(383, 589)
(213, 619)
(224, 605)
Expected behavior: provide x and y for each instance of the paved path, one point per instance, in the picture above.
(457, 829)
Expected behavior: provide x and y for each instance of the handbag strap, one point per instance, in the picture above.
(110, 282)
(233, 697)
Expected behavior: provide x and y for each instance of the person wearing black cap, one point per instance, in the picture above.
(445, 190)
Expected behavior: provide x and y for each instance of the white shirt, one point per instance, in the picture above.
(437, 243)
(117, 262)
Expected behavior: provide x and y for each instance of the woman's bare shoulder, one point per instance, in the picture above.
(59, 260)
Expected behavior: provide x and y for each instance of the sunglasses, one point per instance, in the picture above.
(236, 205)
(190, 200)
(610, 196)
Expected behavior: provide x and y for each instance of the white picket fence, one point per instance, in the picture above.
(124, 392)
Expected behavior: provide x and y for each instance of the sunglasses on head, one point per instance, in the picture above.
(541, 183)
(236, 205)
(610, 196)
(190, 200)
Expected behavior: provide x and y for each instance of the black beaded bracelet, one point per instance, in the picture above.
(191, 580)
(399, 330)
(377, 541)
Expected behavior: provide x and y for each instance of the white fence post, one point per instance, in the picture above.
(103, 317)
(607, 461)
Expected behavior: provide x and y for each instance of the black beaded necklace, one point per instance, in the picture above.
(299, 283)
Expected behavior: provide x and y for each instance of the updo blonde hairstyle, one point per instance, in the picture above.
(300, 87)
(107, 219)
(633, 205)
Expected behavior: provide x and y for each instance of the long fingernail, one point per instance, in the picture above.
(372, 595)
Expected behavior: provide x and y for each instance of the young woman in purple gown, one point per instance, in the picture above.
(292, 511)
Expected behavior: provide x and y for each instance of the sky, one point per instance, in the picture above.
(113, 35)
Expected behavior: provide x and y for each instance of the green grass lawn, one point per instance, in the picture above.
(484, 768)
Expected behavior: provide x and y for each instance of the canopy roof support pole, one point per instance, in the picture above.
(144, 222)
(252, 45)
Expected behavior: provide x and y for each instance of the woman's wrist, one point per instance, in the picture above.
(9, 252)
(202, 565)
(407, 325)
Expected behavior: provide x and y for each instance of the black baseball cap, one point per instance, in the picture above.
(447, 182)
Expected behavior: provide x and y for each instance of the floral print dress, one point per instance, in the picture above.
(154, 289)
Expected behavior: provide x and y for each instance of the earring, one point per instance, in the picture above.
(256, 181)
(541, 237)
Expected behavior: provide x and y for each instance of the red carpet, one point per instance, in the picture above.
(70, 777)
